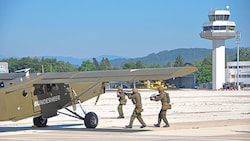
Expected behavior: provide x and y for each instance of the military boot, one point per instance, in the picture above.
(120, 116)
(132, 118)
(144, 125)
(142, 122)
(167, 125)
(128, 126)
(157, 125)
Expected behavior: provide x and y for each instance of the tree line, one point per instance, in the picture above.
(203, 75)
(54, 65)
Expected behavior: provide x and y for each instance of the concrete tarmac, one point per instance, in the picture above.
(195, 115)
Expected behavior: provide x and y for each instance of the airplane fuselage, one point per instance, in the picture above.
(26, 98)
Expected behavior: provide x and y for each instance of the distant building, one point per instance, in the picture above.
(4, 68)
(244, 73)
(187, 81)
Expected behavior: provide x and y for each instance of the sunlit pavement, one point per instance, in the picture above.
(195, 115)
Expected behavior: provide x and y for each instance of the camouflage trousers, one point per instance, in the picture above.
(162, 116)
(120, 111)
(138, 116)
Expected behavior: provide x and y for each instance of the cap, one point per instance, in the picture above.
(119, 89)
(160, 89)
(135, 90)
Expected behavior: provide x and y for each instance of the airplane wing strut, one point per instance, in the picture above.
(79, 102)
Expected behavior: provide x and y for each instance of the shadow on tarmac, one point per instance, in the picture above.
(69, 127)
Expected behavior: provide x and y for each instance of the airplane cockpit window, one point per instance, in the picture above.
(52, 87)
(38, 89)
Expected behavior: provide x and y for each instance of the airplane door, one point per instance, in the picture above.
(48, 98)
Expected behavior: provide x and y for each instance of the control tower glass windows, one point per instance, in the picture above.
(211, 18)
(219, 27)
(209, 28)
(226, 17)
(231, 27)
(218, 18)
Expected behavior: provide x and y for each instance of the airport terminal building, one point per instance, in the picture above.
(244, 73)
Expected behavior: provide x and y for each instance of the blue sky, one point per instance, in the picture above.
(129, 28)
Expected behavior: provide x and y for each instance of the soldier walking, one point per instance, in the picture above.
(122, 101)
(136, 99)
(165, 100)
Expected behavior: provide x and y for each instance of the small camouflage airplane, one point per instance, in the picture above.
(41, 95)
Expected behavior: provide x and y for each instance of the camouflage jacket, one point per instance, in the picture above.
(136, 98)
(122, 98)
(165, 100)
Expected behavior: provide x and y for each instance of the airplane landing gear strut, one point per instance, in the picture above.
(90, 119)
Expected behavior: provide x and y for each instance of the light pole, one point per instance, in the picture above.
(238, 56)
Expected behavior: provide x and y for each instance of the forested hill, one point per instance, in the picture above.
(189, 55)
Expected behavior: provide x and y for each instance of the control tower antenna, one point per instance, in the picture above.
(218, 29)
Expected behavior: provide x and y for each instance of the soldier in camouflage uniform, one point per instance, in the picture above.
(122, 101)
(165, 100)
(136, 99)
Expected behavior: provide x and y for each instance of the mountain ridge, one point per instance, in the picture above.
(189, 55)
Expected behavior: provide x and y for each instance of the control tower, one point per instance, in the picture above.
(218, 29)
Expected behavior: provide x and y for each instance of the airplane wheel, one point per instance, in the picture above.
(91, 120)
(40, 121)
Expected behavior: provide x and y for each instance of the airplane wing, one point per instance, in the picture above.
(118, 75)
(86, 83)
(10, 76)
